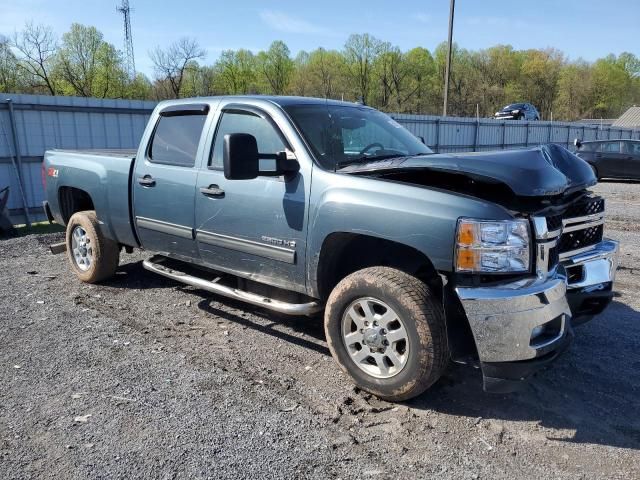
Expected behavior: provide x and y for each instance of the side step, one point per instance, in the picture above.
(154, 264)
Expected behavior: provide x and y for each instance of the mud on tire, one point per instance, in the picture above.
(419, 314)
(103, 252)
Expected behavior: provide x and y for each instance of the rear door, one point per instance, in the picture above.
(253, 228)
(632, 159)
(164, 181)
(610, 160)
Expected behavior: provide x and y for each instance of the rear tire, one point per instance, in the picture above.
(393, 359)
(93, 257)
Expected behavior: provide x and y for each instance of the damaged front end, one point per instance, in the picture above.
(520, 323)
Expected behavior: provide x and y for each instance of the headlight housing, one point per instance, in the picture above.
(490, 246)
(515, 111)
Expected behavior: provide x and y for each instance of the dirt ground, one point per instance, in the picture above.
(144, 378)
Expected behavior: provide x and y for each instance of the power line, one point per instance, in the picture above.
(129, 61)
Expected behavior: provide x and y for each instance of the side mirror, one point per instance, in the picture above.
(421, 138)
(240, 157)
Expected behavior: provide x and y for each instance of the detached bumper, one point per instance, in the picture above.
(522, 326)
(518, 327)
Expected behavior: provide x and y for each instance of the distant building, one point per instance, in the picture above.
(629, 119)
(600, 122)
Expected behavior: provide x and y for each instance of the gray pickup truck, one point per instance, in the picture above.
(304, 205)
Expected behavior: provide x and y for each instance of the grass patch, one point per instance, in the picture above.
(38, 228)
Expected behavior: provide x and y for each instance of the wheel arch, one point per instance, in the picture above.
(73, 200)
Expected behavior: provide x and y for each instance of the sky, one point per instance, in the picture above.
(586, 29)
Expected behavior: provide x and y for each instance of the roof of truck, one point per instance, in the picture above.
(278, 100)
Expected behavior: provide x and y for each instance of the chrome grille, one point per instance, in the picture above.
(576, 228)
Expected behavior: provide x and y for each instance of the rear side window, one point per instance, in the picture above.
(175, 140)
(633, 148)
(610, 147)
(267, 138)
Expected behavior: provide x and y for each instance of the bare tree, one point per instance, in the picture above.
(37, 47)
(170, 65)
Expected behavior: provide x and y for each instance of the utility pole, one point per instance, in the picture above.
(448, 69)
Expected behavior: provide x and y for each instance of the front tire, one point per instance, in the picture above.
(93, 257)
(386, 330)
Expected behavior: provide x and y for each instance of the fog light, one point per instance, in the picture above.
(537, 331)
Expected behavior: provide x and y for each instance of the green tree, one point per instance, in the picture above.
(88, 66)
(361, 51)
(276, 67)
(9, 78)
(236, 71)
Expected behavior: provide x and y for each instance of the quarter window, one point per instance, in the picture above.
(267, 138)
(175, 140)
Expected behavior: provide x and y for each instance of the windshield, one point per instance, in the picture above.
(344, 135)
(514, 106)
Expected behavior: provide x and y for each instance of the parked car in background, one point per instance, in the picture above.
(518, 111)
(611, 158)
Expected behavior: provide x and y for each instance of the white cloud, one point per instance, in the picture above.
(286, 23)
(422, 17)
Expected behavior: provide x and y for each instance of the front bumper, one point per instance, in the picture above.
(519, 327)
(590, 280)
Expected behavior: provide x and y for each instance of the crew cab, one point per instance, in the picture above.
(305, 206)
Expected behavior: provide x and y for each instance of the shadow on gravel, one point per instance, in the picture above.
(307, 326)
(133, 275)
(593, 389)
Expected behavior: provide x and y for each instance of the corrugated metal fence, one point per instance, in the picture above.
(44, 122)
(453, 134)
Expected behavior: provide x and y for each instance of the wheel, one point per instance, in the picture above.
(386, 330)
(93, 256)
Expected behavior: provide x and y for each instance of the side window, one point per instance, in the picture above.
(632, 148)
(267, 137)
(610, 147)
(175, 140)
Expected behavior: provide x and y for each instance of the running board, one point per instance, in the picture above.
(154, 265)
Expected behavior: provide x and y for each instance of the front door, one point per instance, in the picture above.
(164, 183)
(252, 228)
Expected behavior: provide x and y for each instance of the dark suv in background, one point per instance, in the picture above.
(518, 111)
(611, 158)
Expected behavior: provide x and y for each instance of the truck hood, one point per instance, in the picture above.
(548, 170)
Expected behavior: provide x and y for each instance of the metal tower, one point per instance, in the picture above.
(129, 62)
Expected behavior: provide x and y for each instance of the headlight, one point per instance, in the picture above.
(492, 246)
(515, 111)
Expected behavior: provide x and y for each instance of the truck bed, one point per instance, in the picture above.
(105, 176)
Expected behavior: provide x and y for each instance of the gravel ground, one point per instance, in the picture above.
(144, 378)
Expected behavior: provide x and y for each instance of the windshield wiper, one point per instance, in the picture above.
(367, 159)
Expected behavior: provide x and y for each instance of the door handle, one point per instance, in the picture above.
(212, 191)
(147, 181)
